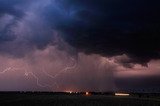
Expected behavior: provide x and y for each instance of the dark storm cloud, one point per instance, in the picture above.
(110, 35)
(9, 7)
(21, 28)
(109, 27)
(9, 12)
(106, 27)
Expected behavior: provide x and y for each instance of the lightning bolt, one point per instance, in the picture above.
(30, 73)
(8, 69)
(26, 73)
(37, 80)
(62, 71)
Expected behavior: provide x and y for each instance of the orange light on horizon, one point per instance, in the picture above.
(69, 92)
(87, 93)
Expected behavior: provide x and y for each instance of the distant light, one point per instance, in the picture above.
(69, 92)
(87, 93)
(122, 94)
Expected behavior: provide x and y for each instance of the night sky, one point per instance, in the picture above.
(79, 45)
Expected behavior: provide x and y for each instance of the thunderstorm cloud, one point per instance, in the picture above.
(79, 44)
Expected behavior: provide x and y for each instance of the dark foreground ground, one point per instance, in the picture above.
(60, 99)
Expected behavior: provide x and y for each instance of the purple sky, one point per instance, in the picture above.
(51, 45)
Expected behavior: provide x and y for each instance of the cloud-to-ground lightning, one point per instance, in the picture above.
(26, 73)
(62, 71)
(43, 85)
(37, 80)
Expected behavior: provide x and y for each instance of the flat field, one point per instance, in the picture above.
(52, 99)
